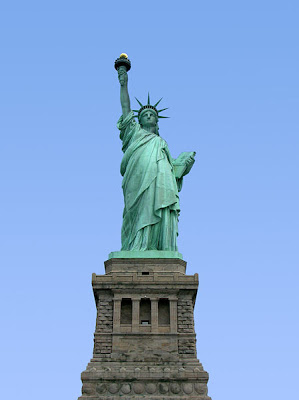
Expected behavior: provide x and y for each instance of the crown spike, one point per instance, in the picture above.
(141, 105)
(158, 102)
(161, 116)
(148, 106)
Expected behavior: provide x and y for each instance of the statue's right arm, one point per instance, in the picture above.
(124, 94)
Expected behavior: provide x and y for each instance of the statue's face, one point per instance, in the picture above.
(148, 119)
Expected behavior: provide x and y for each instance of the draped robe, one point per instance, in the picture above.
(150, 187)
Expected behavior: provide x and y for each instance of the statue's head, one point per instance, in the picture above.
(148, 118)
(148, 115)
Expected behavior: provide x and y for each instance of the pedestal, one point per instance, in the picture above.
(145, 344)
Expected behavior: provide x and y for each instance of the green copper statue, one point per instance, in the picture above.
(151, 177)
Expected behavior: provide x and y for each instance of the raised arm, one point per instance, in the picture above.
(124, 94)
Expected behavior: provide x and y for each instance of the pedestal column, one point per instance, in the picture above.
(173, 303)
(116, 315)
(135, 315)
(154, 314)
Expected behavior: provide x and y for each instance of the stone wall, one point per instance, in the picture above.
(187, 340)
(185, 316)
(104, 327)
(187, 346)
(104, 323)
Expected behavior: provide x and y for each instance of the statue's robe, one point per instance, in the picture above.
(150, 187)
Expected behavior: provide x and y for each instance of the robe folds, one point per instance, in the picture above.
(150, 187)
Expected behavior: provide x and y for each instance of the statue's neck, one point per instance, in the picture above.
(151, 129)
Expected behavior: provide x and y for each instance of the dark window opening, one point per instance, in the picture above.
(163, 312)
(145, 311)
(145, 273)
(126, 311)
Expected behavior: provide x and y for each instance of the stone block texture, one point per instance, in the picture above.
(144, 342)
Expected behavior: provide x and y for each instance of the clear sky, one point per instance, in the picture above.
(228, 70)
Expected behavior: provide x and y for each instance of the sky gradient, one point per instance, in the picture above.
(228, 71)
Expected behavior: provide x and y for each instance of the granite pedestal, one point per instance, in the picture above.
(144, 343)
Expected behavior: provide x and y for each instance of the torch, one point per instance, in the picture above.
(122, 61)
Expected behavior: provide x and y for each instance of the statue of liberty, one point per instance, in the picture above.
(152, 179)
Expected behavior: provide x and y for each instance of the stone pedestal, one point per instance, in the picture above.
(144, 344)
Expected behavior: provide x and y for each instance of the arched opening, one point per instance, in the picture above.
(145, 312)
(126, 312)
(163, 312)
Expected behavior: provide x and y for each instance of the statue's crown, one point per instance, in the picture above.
(149, 106)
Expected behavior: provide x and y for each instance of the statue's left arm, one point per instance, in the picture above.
(183, 164)
(189, 162)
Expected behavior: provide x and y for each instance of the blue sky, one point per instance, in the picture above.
(229, 73)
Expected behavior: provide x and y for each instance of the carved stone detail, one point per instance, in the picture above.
(88, 388)
(188, 388)
(151, 388)
(163, 388)
(138, 388)
(101, 388)
(201, 388)
(170, 390)
(113, 388)
(126, 388)
(175, 388)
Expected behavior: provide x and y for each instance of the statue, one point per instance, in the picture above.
(152, 179)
